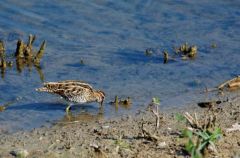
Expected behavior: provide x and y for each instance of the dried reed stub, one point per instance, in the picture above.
(3, 62)
(26, 50)
(25, 56)
(31, 39)
(2, 46)
(187, 51)
(165, 56)
(20, 49)
(40, 53)
(125, 103)
(184, 51)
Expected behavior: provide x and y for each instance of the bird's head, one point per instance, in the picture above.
(100, 96)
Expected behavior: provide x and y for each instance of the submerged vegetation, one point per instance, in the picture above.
(125, 103)
(184, 51)
(25, 55)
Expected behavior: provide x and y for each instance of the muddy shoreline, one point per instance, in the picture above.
(122, 137)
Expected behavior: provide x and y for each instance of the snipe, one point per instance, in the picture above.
(74, 91)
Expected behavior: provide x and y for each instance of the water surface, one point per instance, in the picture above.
(111, 37)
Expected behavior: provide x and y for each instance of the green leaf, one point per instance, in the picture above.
(190, 146)
(156, 100)
(202, 146)
(187, 133)
(204, 135)
(122, 144)
(216, 134)
(180, 117)
(197, 154)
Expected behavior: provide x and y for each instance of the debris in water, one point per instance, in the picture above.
(2, 47)
(213, 45)
(187, 51)
(81, 62)
(126, 103)
(148, 51)
(3, 107)
(165, 57)
(230, 84)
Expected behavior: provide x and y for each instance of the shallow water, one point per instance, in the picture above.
(111, 37)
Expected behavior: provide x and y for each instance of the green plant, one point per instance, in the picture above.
(190, 146)
(180, 117)
(156, 101)
(198, 138)
(199, 141)
(122, 144)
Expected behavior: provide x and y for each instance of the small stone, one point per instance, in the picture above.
(20, 153)
(105, 127)
(162, 144)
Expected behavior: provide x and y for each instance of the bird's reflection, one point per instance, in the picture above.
(82, 116)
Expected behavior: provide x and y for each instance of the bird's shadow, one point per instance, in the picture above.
(48, 106)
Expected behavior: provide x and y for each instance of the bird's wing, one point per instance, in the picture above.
(69, 89)
(68, 83)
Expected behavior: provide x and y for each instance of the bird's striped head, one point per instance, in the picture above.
(100, 96)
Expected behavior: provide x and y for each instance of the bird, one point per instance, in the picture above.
(74, 91)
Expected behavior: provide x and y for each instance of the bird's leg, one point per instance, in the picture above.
(68, 108)
(101, 108)
(101, 103)
(69, 115)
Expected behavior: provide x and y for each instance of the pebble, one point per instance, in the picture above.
(20, 153)
(162, 145)
(105, 127)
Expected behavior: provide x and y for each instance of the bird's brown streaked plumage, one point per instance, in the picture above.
(74, 91)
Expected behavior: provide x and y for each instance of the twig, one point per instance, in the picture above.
(98, 150)
(156, 113)
(147, 135)
(193, 121)
(229, 82)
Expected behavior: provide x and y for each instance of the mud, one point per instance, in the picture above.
(128, 136)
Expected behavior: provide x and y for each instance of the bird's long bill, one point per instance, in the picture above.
(101, 103)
